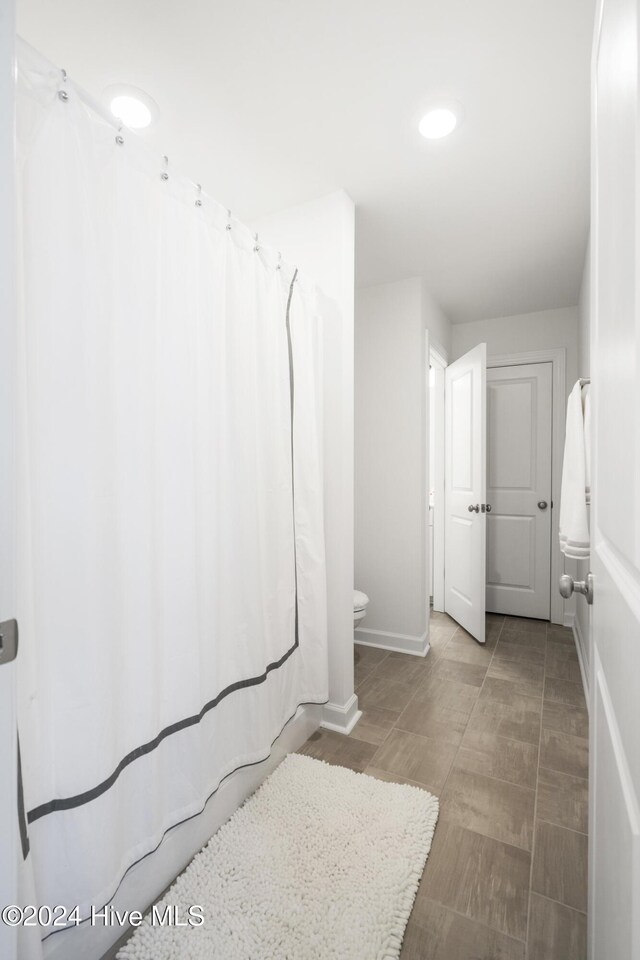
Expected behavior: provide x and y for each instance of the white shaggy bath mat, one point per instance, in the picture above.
(319, 864)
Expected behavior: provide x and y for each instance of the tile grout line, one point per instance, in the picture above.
(561, 826)
(509, 783)
(371, 671)
(535, 805)
(543, 896)
(531, 852)
(394, 726)
(525, 941)
(480, 923)
(414, 693)
(441, 655)
(574, 776)
(411, 698)
(473, 708)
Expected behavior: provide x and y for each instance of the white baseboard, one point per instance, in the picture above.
(341, 719)
(396, 642)
(580, 642)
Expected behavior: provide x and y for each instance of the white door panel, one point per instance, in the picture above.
(519, 418)
(614, 815)
(511, 548)
(465, 486)
(615, 852)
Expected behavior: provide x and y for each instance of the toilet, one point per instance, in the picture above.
(360, 601)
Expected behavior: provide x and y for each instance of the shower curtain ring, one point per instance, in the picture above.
(255, 244)
(164, 175)
(119, 137)
(228, 227)
(62, 94)
(279, 263)
(199, 197)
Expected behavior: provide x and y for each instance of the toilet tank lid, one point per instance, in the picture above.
(360, 600)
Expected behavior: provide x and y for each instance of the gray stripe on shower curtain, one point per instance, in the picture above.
(22, 820)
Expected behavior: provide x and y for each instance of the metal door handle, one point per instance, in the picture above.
(474, 509)
(568, 586)
(543, 504)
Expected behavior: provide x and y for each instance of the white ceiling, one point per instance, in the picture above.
(269, 103)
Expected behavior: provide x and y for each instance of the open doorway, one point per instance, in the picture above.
(525, 401)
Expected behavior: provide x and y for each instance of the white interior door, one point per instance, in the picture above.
(519, 411)
(614, 817)
(465, 490)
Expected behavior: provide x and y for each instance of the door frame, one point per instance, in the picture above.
(557, 356)
(438, 360)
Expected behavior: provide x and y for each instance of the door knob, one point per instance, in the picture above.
(8, 641)
(474, 509)
(568, 586)
(543, 504)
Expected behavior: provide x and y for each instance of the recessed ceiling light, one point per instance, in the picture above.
(134, 107)
(440, 121)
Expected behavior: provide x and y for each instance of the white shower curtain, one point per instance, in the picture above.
(172, 581)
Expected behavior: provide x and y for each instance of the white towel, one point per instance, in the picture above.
(574, 524)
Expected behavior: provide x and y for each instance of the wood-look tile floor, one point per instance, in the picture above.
(499, 734)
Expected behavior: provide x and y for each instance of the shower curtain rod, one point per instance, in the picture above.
(119, 126)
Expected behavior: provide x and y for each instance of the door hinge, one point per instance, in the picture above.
(8, 641)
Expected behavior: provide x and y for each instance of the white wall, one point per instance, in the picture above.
(436, 322)
(584, 321)
(391, 439)
(526, 331)
(319, 238)
(583, 610)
